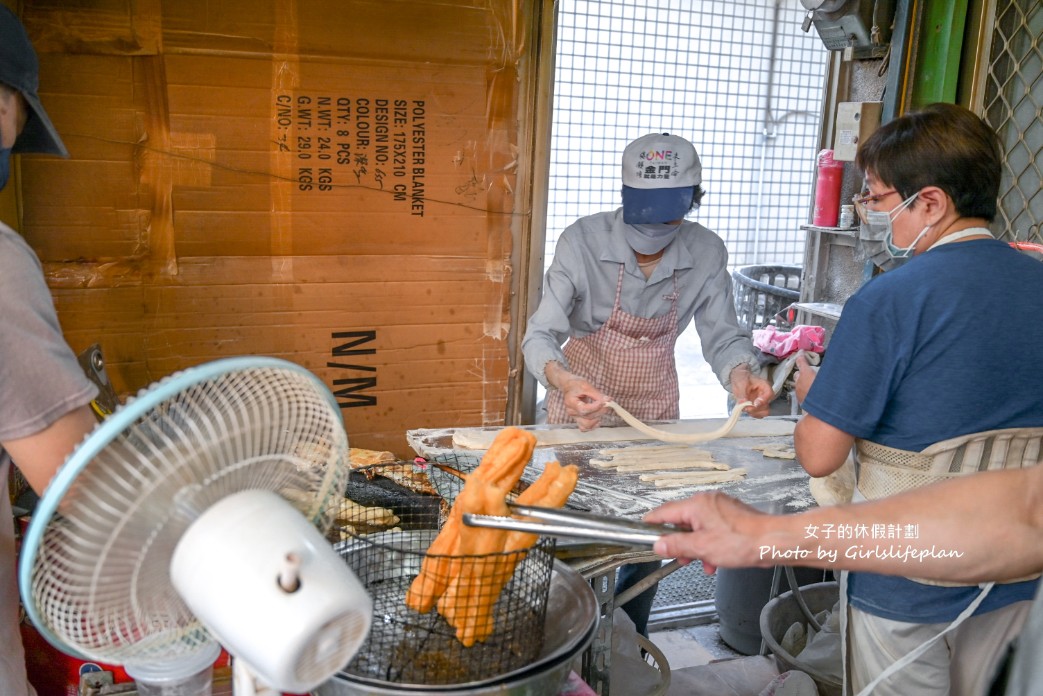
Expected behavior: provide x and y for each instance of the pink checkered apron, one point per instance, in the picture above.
(629, 358)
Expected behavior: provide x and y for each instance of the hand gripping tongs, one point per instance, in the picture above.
(571, 524)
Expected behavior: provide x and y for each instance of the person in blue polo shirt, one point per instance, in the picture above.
(928, 376)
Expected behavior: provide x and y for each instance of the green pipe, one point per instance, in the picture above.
(938, 53)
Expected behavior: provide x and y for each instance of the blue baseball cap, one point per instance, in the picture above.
(660, 173)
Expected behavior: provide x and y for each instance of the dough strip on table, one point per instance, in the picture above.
(696, 461)
(623, 460)
(695, 479)
(694, 475)
(685, 438)
(669, 452)
(628, 459)
(681, 483)
(668, 466)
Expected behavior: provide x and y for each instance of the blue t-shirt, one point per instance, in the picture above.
(946, 345)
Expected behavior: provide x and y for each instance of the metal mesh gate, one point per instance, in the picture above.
(1013, 105)
(684, 598)
(738, 79)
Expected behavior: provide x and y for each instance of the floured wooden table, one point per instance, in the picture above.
(772, 484)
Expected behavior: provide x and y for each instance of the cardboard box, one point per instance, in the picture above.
(327, 182)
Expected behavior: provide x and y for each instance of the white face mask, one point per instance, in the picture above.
(878, 224)
(905, 252)
(651, 238)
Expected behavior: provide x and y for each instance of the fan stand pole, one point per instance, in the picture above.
(245, 684)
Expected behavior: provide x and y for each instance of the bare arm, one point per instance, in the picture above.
(38, 456)
(821, 448)
(981, 527)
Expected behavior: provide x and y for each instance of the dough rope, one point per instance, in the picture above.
(685, 438)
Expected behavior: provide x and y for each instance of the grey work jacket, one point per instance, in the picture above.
(580, 288)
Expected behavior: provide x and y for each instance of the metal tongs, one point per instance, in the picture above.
(572, 524)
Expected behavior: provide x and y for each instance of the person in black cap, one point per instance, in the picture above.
(44, 394)
(622, 287)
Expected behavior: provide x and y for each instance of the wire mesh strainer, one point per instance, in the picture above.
(409, 648)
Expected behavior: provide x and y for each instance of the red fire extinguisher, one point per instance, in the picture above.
(827, 190)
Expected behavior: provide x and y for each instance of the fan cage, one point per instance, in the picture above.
(98, 564)
(409, 648)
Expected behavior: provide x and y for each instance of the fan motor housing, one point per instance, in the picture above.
(272, 590)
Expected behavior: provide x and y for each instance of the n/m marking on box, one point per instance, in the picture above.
(350, 390)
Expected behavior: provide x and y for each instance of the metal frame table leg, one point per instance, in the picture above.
(597, 660)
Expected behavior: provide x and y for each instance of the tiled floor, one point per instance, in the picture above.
(687, 647)
(701, 663)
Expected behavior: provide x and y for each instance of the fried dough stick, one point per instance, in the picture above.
(551, 490)
(499, 471)
(468, 602)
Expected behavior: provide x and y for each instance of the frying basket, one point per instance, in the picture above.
(386, 551)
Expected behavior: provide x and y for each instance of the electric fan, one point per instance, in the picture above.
(193, 517)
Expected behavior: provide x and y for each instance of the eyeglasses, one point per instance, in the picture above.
(865, 198)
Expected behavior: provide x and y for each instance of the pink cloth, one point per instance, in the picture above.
(575, 686)
(782, 344)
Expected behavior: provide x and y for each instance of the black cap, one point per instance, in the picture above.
(20, 70)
